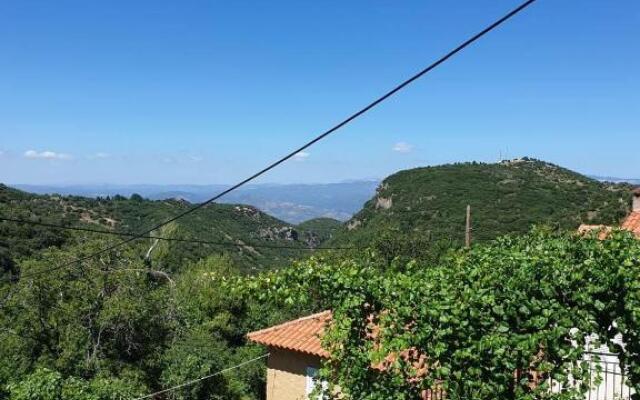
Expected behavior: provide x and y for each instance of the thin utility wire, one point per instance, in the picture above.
(305, 146)
(198, 241)
(201, 378)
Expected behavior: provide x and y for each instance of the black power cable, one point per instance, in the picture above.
(198, 241)
(305, 146)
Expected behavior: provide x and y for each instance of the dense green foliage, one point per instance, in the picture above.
(505, 198)
(108, 329)
(476, 319)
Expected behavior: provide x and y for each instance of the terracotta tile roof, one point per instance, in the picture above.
(632, 223)
(302, 335)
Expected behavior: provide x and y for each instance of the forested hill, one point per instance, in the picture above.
(507, 197)
(254, 240)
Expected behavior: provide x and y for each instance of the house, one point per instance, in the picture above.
(632, 222)
(295, 355)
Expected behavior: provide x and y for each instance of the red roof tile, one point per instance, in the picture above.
(302, 335)
(632, 223)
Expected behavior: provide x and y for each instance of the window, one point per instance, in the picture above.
(311, 379)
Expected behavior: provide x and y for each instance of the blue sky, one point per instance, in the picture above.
(210, 91)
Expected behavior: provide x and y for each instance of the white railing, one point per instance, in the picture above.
(608, 381)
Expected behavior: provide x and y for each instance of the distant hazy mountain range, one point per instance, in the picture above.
(633, 181)
(293, 203)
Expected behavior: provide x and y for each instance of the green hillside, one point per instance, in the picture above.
(322, 224)
(508, 197)
(322, 229)
(250, 237)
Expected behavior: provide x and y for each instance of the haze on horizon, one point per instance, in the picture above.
(166, 93)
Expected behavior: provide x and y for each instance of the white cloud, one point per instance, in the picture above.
(301, 156)
(180, 158)
(46, 155)
(402, 147)
(100, 156)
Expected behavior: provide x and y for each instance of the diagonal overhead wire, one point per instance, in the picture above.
(305, 146)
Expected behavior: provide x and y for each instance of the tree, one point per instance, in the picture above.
(102, 329)
(45, 384)
(90, 321)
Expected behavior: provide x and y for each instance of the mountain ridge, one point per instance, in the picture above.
(294, 203)
(506, 198)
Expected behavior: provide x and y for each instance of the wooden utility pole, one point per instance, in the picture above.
(467, 231)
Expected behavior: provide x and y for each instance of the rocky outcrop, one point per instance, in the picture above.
(353, 224)
(250, 212)
(275, 233)
(312, 240)
(384, 203)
